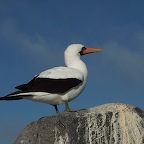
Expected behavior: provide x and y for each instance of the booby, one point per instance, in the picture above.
(60, 84)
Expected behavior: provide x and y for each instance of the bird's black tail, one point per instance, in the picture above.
(12, 96)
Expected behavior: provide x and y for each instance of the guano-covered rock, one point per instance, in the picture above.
(105, 124)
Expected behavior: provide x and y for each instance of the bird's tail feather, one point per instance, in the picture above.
(12, 96)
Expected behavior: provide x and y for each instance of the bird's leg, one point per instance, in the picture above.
(67, 106)
(67, 109)
(56, 108)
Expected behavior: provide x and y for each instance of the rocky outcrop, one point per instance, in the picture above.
(105, 124)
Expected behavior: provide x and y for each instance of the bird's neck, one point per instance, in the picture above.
(78, 64)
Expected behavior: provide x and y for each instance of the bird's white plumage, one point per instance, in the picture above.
(75, 69)
(62, 73)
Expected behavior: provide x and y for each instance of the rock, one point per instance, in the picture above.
(105, 124)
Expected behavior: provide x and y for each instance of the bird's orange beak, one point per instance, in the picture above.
(92, 50)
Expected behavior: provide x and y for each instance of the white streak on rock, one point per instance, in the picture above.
(117, 124)
(59, 139)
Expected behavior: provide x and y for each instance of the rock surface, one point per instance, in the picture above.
(105, 124)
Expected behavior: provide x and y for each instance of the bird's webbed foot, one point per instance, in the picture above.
(67, 109)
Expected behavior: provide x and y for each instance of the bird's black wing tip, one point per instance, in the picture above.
(12, 96)
(22, 87)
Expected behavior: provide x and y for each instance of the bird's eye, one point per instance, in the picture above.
(83, 48)
(81, 52)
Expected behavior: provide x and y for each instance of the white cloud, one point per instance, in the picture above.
(9, 31)
(125, 61)
(35, 45)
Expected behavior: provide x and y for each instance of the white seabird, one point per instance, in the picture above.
(59, 84)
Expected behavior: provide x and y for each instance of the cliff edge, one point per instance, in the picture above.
(105, 124)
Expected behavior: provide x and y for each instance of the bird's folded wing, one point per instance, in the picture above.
(56, 80)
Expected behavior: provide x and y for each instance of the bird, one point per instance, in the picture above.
(58, 85)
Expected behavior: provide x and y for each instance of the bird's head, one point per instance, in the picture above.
(79, 49)
(74, 51)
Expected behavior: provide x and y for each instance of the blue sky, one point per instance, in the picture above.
(34, 34)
